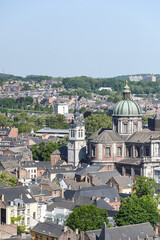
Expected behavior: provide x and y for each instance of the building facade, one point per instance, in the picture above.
(76, 142)
(129, 148)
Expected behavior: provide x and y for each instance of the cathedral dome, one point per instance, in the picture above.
(127, 107)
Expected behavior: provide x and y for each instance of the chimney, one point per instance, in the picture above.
(65, 229)
(20, 195)
(2, 197)
(76, 231)
(62, 193)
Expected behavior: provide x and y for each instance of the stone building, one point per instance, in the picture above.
(76, 142)
(129, 148)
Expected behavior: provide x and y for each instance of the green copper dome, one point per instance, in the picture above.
(127, 108)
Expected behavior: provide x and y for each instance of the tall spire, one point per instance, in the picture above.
(126, 92)
(76, 111)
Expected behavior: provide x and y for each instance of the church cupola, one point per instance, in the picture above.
(127, 115)
(126, 92)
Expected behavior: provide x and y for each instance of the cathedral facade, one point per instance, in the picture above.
(129, 148)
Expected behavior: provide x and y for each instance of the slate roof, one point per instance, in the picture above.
(104, 176)
(61, 151)
(5, 158)
(11, 193)
(49, 229)
(104, 135)
(123, 181)
(52, 185)
(103, 204)
(131, 232)
(80, 201)
(89, 169)
(62, 204)
(143, 136)
(42, 165)
(20, 237)
(72, 184)
(96, 191)
(28, 164)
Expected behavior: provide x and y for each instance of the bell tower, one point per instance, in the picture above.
(76, 142)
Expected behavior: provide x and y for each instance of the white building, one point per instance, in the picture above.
(61, 108)
(76, 142)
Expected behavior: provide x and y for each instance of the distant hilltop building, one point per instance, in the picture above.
(150, 78)
(105, 88)
(135, 78)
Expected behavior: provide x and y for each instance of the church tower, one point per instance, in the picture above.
(76, 142)
(127, 115)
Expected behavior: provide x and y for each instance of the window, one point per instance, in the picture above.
(55, 192)
(147, 151)
(119, 151)
(93, 151)
(34, 215)
(135, 127)
(125, 127)
(81, 132)
(34, 170)
(28, 211)
(107, 152)
(28, 221)
(72, 133)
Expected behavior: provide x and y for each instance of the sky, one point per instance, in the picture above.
(97, 38)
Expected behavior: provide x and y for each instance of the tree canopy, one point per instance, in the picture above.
(87, 217)
(142, 206)
(145, 187)
(42, 151)
(7, 180)
(97, 121)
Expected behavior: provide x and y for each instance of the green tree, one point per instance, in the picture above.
(3, 121)
(138, 210)
(142, 206)
(29, 100)
(87, 217)
(7, 180)
(145, 119)
(145, 187)
(97, 121)
(42, 151)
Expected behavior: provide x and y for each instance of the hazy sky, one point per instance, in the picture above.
(98, 38)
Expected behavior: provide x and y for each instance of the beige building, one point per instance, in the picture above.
(18, 206)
